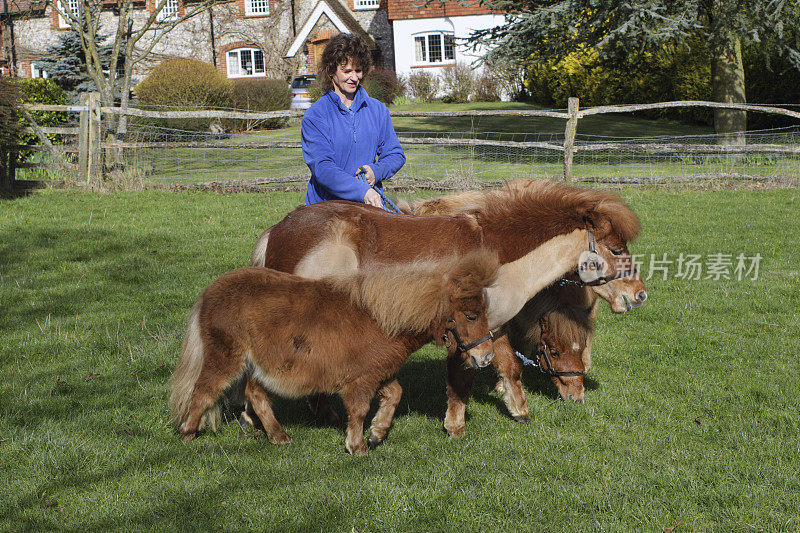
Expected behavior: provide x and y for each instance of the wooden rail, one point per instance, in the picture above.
(90, 147)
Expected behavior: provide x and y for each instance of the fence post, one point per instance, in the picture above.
(569, 137)
(83, 141)
(94, 167)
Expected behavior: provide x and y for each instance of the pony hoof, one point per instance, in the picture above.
(358, 450)
(457, 432)
(280, 439)
(373, 441)
(523, 419)
(189, 437)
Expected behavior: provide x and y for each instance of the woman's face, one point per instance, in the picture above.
(347, 78)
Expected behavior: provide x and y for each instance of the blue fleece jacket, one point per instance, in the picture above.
(337, 140)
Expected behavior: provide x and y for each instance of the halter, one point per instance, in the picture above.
(461, 347)
(592, 263)
(546, 367)
(545, 351)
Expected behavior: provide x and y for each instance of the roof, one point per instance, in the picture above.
(339, 15)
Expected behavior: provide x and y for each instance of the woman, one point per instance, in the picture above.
(346, 129)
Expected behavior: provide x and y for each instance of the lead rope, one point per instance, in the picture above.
(388, 205)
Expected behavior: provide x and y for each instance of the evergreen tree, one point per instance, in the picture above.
(66, 63)
(617, 33)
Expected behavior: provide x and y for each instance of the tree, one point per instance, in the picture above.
(65, 63)
(616, 32)
(128, 44)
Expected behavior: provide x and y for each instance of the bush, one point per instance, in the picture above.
(259, 94)
(383, 85)
(423, 85)
(185, 83)
(40, 91)
(9, 125)
(315, 90)
(680, 74)
(487, 88)
(509, 77)
(458, 82)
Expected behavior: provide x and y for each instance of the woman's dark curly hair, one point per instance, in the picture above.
(339, 50)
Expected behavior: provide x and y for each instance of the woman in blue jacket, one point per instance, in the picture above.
(347, 129)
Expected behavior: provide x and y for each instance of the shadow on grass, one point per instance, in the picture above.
(424, 386)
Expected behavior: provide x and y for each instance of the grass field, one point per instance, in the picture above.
(691, 414)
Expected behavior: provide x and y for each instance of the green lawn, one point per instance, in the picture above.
(691, 412)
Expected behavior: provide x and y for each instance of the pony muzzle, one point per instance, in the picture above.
(481, 360)
(641, 298)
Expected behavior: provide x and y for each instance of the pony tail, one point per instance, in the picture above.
(187, 372)
(260, 251)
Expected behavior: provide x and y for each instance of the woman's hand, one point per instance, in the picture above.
(369, 174)
(373, 198)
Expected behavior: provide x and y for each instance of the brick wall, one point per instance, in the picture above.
(405, 9)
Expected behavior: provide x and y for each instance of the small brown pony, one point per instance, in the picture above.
(350, 335)
(539, 229)
(555, 329)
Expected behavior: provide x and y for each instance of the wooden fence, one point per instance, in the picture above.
(90, 144)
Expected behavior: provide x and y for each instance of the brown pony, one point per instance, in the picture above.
(540, 232)
(291, 336)
(555, 329)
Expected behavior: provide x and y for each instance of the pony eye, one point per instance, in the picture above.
(471, 317)
(618, 251)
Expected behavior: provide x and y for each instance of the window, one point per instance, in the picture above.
(434, 48)
(366, 4)
(37, 72)
(256, 7)
(171, 9)
(245, 62)
(72, 7)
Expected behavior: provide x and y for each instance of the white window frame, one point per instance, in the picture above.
(256, 8)
(68, 6)
(427, 39)
(235, 67)
(366, 4)
(37, 72)
(170, 11)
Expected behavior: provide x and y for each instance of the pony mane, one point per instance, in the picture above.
(545, 197)
(564, 320)
(445, 205)
(409, 297)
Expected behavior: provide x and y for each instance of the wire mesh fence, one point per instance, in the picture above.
(441, 157)
(472, 159)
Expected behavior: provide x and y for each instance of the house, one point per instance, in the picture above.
(430, 37)
(242, 38)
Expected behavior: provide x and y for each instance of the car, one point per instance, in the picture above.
(300, 97)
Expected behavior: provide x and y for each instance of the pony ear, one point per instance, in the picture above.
(598, 223)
